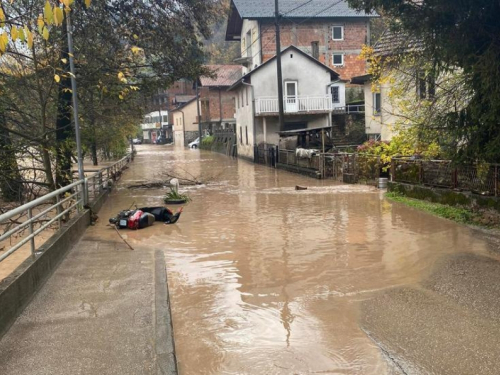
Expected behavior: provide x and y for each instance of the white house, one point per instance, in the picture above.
(155, 123)
(311, 92)
(185, 120)
(405, 87)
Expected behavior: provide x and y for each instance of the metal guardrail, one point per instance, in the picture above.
(73, 196)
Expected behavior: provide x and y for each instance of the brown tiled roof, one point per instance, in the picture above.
(395, 43)
(224, 75)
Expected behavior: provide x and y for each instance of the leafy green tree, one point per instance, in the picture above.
(457, 35)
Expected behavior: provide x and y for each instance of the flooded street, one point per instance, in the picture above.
(265, 279)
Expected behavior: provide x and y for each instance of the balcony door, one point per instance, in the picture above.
(291, 97)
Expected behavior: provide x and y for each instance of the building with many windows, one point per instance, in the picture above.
(327, 30)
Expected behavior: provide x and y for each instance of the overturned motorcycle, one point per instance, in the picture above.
(144, 217)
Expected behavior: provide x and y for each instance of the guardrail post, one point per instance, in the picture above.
(59, 210)
(32, 240)
(100, 182)
(85, 192)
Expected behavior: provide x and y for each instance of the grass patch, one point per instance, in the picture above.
(174, 196)
(208, 140)
(457, 214)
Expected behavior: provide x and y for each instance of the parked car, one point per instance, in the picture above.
(195, 143)
(137, 141)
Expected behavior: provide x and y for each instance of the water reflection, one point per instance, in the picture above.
(268, 280)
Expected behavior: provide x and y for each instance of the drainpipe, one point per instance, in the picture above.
(253, 113)
(183, 126)
(220, 108)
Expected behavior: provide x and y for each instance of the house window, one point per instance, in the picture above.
(338, 59)
(315, 50)
(241, 135)
(246, 95)
(335, 94)
(377, 103)
(246, 134)
(426, 85)
(338, 33)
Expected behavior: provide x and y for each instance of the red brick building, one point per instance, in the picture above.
(217, 104)
(328, 30)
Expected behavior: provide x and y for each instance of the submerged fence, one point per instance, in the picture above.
(52, 209)
(479, 179)
(345, 167)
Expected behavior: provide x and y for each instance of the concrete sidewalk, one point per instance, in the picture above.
(105, 310)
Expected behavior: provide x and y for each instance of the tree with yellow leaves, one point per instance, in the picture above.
(124, 50)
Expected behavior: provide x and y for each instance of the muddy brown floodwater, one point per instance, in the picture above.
(268, 280)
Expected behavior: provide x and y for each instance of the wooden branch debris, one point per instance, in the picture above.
(123, 239)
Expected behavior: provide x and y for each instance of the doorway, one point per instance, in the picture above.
(291, 98)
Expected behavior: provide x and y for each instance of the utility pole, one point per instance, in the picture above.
(81, 174)
(198, 109)
(278, 64)
(160, 118)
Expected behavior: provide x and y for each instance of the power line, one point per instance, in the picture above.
(295, 23)
(290, 11)
(314, 15)
(294, 9)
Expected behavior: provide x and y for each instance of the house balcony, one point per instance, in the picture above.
(294, 105)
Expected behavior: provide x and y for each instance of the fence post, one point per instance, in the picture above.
(455, 178)
(393, 170)
(32, 240)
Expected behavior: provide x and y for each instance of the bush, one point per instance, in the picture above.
(208, 140)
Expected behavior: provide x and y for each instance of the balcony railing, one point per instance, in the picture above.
(296, 104)
(350, 108)
(153, 125)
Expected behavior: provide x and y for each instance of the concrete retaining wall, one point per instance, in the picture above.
(17, 290)
(445, 196)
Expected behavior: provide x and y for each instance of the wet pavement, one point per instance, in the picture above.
(264, 279)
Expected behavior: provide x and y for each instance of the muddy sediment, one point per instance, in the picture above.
(267, 279)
